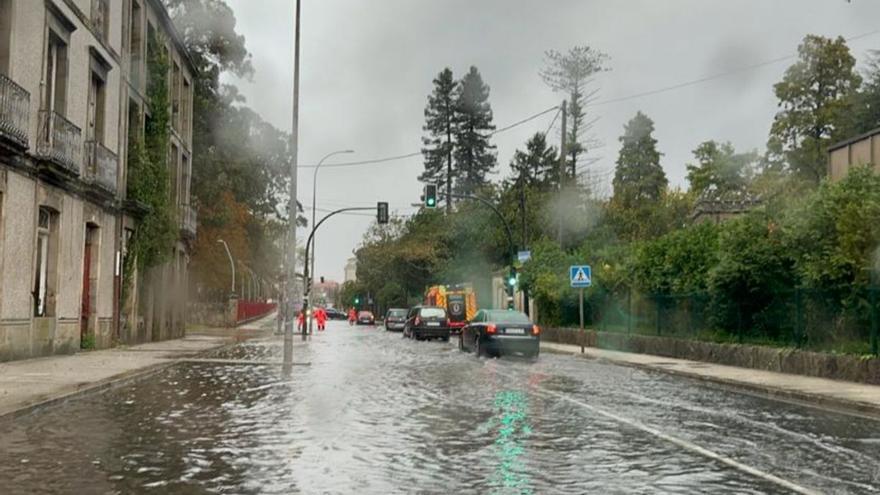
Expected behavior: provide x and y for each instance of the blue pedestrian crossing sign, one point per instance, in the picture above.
(581, 276)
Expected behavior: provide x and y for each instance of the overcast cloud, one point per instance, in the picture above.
(367, 68)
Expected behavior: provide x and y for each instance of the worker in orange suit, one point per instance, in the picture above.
(321, 318)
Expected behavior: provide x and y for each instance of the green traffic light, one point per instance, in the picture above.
(511, 281)
(430, 201)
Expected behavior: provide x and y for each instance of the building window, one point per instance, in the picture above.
(44, 278)
(96, 117)
(55, 92)
(175, 173)
(136, 44)
(5, 35)
(186, 102)
(175, 97)
(101, 18)
(185, 180)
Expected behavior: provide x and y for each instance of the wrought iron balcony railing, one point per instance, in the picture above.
(102, 166)
(60, 141)
(14, 107)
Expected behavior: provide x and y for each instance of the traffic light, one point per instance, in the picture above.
(430, 195)
(382, 212)
(512, 278)
(357, 300)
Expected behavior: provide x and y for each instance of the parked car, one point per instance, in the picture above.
(496, 332)
(335, 314)
(395, 319)
(426, 322)
(366, 318)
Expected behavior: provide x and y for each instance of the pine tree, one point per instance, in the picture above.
(571, 73)
(538, 165)
(441, 127)
(474, 155)
(638, 179)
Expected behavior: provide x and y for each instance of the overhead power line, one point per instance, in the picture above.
(419, 153)
(719, 75)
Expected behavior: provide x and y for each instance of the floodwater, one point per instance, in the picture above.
(375, 413)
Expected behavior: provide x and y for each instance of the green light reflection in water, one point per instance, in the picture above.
(511, 422)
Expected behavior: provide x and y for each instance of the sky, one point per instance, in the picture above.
(368, 65)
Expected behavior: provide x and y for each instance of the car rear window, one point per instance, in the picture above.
(365, 313)
(508, 317)
(433, 313)
(397, 312)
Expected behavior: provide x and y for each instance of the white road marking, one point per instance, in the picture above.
(688, 446)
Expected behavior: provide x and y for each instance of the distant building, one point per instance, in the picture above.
(716, 207)
(351, 270)
(72, 83)
(860, 150)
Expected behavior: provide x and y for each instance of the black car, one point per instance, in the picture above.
(335, 314)
(496, 332)
(395, 319)
(426, 322)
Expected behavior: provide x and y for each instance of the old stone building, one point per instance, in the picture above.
(72, 79)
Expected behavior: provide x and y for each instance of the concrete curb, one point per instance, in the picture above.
(100, 386)
(818, 401)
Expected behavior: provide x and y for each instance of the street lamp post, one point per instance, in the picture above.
(231, 263)
(314, 201)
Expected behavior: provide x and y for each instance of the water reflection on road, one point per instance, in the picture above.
(374, 413)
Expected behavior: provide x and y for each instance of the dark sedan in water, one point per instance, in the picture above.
(395, 319)
(497, 332)
(427, 322)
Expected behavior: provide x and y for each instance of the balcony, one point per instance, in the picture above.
(101, 168)
(14, 107)
(60, 142)
(188, 221)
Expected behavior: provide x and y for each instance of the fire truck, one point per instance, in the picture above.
(459, 300)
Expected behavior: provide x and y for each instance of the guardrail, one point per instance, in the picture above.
(60, 141)
(251, 310)
(15, 104)
(102, 166)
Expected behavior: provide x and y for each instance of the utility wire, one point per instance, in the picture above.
(419, 153)
(719, 75)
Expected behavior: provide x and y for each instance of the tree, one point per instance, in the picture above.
(440, 126)
(538, 165)
(720, 168)
(815, 100)
(571, 73)
(867, 104)
(638, 177)
(474, 157)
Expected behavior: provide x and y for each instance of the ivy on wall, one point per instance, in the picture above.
(149, 178)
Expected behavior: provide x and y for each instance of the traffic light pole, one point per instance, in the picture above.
(510, 245)
(306, 275)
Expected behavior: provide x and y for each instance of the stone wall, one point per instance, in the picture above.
(783, 360)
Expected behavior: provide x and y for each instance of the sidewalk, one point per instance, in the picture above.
(31, 383)
(830, 394)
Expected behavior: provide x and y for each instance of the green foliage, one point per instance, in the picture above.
(835, 233)
(88, 342)
(677, 263)
(754, 268)
(867, 102)
(720, 168)
(537, 166)
(639, 181)
(815, 99)
(474, 154)
(440, 126)
(149, 180)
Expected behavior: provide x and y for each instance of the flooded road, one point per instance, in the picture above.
(375, 413)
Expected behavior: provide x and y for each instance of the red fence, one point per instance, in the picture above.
(249, 310)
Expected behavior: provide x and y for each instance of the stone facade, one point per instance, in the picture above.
(67, 99)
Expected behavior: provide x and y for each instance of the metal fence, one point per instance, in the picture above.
(841, 319)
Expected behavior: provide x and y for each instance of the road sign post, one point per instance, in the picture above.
(581, 277)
